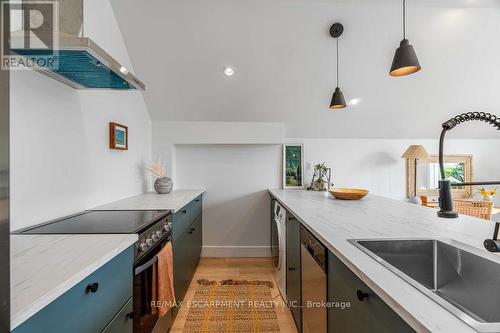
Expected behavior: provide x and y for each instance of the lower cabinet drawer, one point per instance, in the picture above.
(180, 222)
(182, 265)
(187, 249)
(121, 323)
(196, 205)
(90, 305)
(358, 308)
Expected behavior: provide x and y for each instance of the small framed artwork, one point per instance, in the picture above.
(293, 166)
(118, 136)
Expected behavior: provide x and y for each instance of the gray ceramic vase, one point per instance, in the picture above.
(163, 185)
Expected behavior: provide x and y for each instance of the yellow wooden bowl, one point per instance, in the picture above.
(348, 193)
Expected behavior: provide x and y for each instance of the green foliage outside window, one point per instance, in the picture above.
(455, 172)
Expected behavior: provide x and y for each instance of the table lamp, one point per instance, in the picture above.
(415, 152)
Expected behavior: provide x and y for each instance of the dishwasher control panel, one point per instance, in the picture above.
(314, 247)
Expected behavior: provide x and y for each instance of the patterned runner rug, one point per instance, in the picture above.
(232, 306)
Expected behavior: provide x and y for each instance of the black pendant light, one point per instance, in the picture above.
(338, 100)
(405, 60)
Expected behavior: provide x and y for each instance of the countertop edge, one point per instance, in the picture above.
(198, 193)
(142, 202)
(21, 316)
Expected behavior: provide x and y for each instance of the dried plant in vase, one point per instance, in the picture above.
(162, 184)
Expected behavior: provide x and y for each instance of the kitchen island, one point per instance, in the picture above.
(334, 222)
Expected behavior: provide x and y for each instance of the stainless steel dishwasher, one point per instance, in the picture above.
(314, 312)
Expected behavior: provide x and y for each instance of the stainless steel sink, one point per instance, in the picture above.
(462, 279)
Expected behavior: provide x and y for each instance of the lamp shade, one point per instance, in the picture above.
(338, 100)
(415, 151)
(405, 60)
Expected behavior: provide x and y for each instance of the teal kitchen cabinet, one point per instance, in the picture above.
(187, 243)
(189, 246)
(181, 266)
(92, 305)
(195, 233)
(122, 322)
(196, 207)
(366, 313)
(180, 222)
(293, 262)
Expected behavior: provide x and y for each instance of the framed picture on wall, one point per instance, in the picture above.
(118, 136)
(293, 166)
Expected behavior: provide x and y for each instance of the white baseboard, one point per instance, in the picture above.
(236, 251)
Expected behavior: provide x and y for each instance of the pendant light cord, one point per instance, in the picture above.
(337, 61)
(404, 19)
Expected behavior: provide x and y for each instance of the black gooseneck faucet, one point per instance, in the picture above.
(445, 194)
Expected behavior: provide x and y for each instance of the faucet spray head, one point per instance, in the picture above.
(492, 245)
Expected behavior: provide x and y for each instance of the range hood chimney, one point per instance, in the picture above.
(71, 58)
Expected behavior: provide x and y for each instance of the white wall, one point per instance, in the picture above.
(166, 134)
(376, 164)
(60, 161)
(218, 132)
(236, 206)
(199, 156)
(284, 60)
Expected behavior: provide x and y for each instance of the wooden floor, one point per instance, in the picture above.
(238, 269)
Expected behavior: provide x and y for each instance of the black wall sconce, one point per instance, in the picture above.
(338, 100)
(405, 60)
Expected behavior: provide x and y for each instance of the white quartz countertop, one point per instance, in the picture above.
(172, 201)
(335, 221)
(43, 267)
(496, 217)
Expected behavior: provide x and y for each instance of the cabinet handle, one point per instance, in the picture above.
(197, 200)
(130, 315)
(290, 269)
(190, 230)
(92, 288)
(184, 211)
(361, 295)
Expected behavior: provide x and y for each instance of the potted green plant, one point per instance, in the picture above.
(321, 178)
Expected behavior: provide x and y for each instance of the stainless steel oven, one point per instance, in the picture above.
(144, 314)
(153, 229)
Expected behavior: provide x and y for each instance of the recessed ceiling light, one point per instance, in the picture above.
(228, 71)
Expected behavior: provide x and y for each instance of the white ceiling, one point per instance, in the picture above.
(285, 63)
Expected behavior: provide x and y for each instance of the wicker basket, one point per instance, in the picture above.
(480, 209)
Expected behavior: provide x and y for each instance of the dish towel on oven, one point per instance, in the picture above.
(165, 296)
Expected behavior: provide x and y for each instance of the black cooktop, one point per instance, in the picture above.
(101, 222)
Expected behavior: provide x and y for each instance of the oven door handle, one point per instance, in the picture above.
(142, 268)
